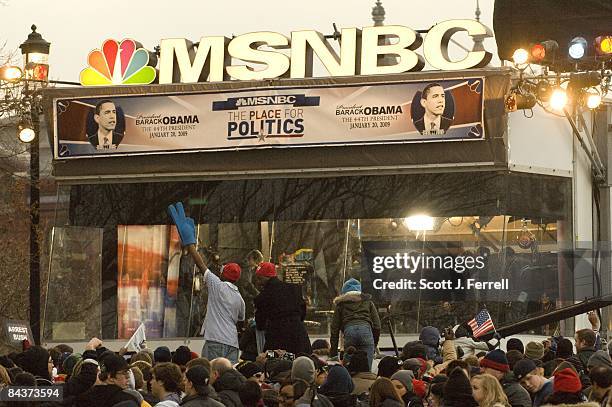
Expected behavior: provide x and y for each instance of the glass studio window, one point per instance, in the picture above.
(320, 232)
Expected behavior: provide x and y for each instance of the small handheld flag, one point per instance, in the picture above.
(481, 324)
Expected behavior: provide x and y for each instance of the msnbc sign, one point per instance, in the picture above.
(278, 56)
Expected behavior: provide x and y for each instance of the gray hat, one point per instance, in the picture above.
(534, 350)
(303, 369)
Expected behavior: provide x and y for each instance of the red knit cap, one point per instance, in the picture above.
(566, 380)
(231, 272)
(266, 269)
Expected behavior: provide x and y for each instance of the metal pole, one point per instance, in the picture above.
(34, 222)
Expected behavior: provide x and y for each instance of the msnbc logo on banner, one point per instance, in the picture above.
(119, 63)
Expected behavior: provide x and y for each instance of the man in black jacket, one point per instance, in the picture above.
(280, 311)
(114, 377)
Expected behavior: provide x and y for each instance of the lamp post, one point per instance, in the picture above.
(35, 52)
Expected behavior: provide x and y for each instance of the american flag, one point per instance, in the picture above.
(481, 324)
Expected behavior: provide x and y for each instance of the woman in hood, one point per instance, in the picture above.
(356, 316)
(338, 387)
(383, 393)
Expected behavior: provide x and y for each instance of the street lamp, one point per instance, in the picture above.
(35, 52)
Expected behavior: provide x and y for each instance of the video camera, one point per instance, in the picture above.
(271, 354)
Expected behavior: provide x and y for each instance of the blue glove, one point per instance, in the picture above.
(185, 225)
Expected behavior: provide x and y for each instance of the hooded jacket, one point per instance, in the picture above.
(353, 308)
(227, 387)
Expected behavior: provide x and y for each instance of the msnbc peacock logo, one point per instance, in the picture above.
(118, 63)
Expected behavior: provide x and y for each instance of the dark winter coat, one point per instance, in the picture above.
(353, 308)
(584, 355)
(517, 395)
(280, 311)
(227, 387)
(104, 396)
(200, 401)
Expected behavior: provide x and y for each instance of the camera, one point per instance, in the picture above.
(284, 356)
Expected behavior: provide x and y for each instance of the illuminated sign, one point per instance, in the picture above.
(218, 58)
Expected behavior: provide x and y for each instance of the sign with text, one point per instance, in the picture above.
(446, 110)
(17, 331)
(432, 271)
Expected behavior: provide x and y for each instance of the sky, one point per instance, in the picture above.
(74, 28)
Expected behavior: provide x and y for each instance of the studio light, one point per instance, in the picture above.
(593, 100)
(25, 132)
(419, 223)
(544, 52)
(577, 48)
(558, 99)
(520, 101)
(520, 56)
(10, 73)
(603, 45)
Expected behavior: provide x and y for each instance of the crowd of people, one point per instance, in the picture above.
(272, 362)
(430, 372)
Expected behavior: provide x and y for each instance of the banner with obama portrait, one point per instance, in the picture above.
(320, 115)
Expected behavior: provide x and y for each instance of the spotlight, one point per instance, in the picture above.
(558, 99)
(25, 132)
(519, 101)
(419, 223)
(603, 45)
(520, 56)
(577, 48)
(10, 73)
(593, 100)
(544, 52)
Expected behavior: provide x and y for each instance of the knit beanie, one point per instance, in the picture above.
(351, 285)
(600, 358)
(430, 336)
(457, 390)
(70, 362)
(515, 344)
(567, 381)
(266, 269)
(404, 377)
(388, 366)
(303, 368)
(534, 350)
(496, 359)
(565, 348)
